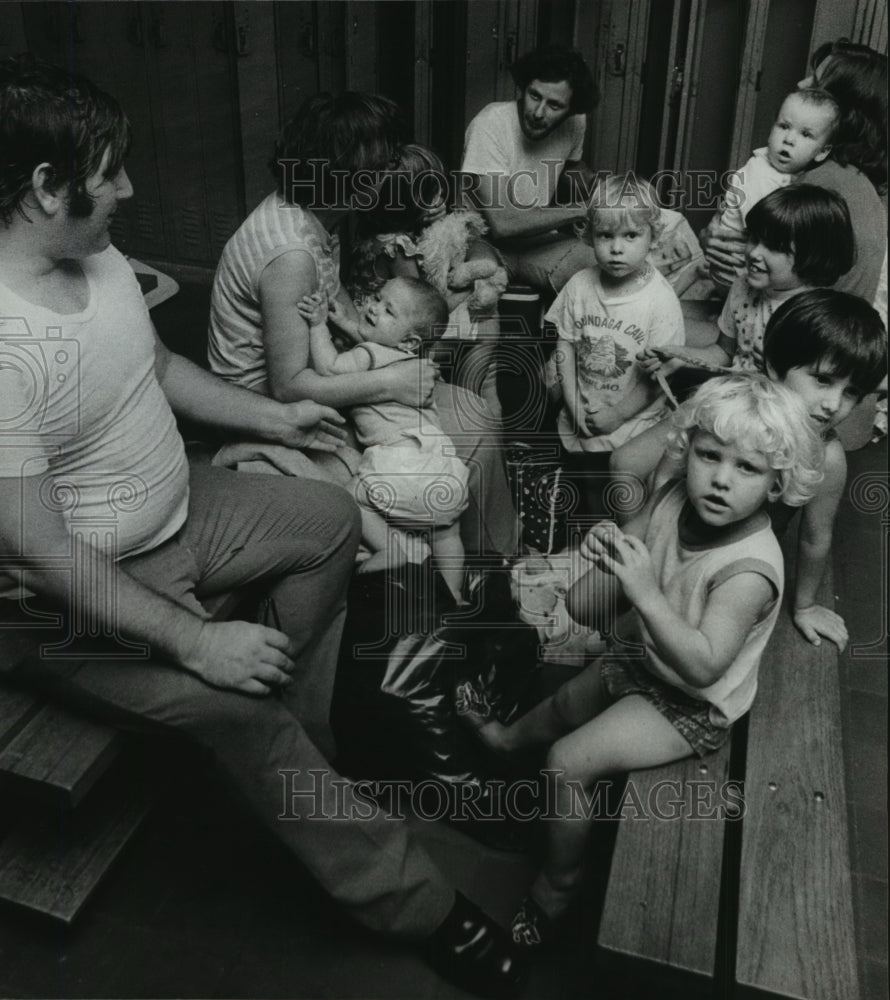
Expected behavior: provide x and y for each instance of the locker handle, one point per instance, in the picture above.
(242, 32)
(218, 40)
(77, 35)
(158, 32)
(53, 31)
(616, 64)
(511, 48)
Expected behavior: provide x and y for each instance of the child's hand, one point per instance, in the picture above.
(757, 355)
(815, 621)
(314, 309)
(623, 555)
(633, 567)
(600, 540)
(650, 363)
(338, 315)
(606, 419)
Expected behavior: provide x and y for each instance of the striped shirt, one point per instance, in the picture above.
(235, 349)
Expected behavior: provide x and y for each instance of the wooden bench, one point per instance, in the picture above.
(67, 814)
(760, 905)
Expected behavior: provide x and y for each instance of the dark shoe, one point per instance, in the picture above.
(471, 951)
(531, 927)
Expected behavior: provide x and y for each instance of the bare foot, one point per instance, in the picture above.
(379, 561)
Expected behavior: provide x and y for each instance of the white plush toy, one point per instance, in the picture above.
(444, 245)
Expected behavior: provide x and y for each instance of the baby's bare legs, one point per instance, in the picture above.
(389, 547)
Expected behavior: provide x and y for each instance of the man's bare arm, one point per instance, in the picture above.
(237, 655)
(491, 197)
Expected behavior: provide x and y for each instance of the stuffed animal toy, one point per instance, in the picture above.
(444, 246)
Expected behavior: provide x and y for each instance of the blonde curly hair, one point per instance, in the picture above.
(753, 411)
(634, 197)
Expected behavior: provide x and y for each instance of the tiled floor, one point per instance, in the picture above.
(204, 904)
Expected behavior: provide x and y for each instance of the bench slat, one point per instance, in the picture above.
(664, 885)
(59, 755)
(795, 931)
(15, 707)
(53, 867)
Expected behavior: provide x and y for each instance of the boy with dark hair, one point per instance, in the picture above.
(829, 348)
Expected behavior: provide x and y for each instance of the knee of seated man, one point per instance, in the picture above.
(325, 510)
(218, 717)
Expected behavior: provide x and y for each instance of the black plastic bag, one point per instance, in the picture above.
(406, 646)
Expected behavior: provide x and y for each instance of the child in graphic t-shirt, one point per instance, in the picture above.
(608, 314)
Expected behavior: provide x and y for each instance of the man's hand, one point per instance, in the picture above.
(816, 621)
(314, 309)
(311, 425)
(240, 656)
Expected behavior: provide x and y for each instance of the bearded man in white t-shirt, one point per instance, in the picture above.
(517, 152)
